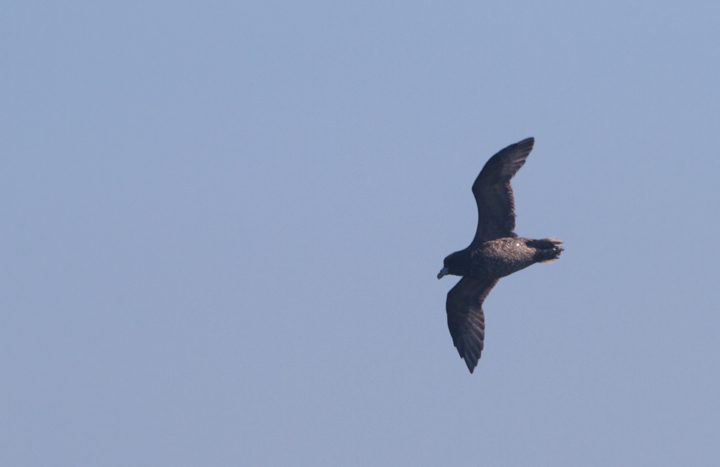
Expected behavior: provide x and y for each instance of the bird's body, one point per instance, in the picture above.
(495, 252)
(504, 256)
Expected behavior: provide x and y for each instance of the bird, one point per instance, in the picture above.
(495, 252)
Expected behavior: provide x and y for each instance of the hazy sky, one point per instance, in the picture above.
(222, 224)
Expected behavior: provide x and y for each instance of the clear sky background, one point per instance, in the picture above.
(221, 225)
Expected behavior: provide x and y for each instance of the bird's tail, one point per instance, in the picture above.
(548, 249)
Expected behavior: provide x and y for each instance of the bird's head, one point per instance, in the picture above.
(456, 264)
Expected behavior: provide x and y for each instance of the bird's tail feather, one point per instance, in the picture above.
(548, 249)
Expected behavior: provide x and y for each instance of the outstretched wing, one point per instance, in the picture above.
(465, 317)
(493, 193)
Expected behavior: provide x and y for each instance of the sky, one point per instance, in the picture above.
(222, 224)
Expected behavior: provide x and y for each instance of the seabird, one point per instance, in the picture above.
(495, 252)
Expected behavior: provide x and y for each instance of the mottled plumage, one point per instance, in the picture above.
(495, 252)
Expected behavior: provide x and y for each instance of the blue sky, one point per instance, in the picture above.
(222, 224)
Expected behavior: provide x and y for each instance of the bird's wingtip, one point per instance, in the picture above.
(470, 363)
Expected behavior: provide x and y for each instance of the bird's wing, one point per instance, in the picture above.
(465, 317)
(493, 193)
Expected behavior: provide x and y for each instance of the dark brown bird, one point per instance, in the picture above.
(495, 252)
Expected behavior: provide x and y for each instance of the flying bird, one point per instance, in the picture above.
(495, 252)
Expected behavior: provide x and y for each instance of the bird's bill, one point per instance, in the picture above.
(443, 272)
